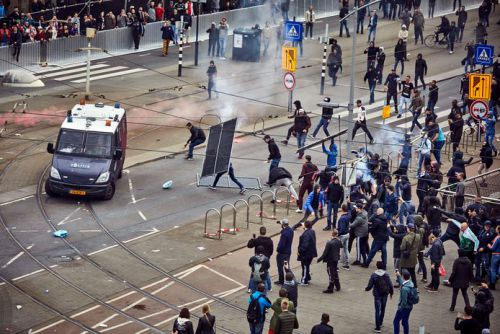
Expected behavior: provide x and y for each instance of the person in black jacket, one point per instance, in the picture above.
(380, 64)
(462, 19)
(460, 278)
(274, 152)
(377, 227)
(397, 232)
(420, 70)
(307, 252)
(301, 126)
(343, 13)
(182, 324)
(197, 138)
(482, 259)
(326, 117)
(371, 53)
(453, 231)
(361, 18)
(372, 77)
(381, 286)
(391, 85)
(435, 254)
(263, 241)
(456, 128)
(334, 198)
(206, 323)
(399, 55)
(323, 327)
(213, 39)
(284, 249)
(486, 155)
(331, 256)
(16, 40)
(466, 323)
(433, 95)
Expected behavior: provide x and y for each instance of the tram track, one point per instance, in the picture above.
(98, 266)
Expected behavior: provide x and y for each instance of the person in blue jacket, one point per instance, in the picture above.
(284, 249)
(264, 304)
(390, 203)
(331, 154)
(489, 136)
(314, 203)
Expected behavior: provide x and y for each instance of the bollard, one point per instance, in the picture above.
(181, 31)
(323, 70)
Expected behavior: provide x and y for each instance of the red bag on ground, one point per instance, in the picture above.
(442, 271)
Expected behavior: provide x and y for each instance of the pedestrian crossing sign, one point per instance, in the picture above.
(289, 59)
(484, 54)
(480, 86)
(293, 31)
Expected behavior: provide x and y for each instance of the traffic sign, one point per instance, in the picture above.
(293, 31)
(289, 58)
(479, 86)
(289, 80)
(484, 54)
(478, 109)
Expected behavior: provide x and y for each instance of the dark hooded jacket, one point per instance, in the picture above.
(378, 228)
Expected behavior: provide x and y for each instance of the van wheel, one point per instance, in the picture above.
(48, 189)
(110, 191)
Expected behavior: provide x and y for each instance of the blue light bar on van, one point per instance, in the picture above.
(69, 116)
(117, 105)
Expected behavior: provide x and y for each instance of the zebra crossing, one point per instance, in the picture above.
(77, 73)
(374, 116)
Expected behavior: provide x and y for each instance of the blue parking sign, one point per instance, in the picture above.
(293, 31)
(484, 54)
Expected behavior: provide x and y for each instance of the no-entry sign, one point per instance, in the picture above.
(289, 80)
(478, 109)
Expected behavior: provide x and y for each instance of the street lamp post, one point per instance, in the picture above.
(197, 30)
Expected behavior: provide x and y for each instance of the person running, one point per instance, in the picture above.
(407, 298)
(274, 152)
(314, 203)
(406, 88)
(302, 123)
(197, 138)
(230, 172)
(381, 286)
(326, 117)
(361, 122)
(331, 160)
(486, 155)
(420, 70)
(331, 256)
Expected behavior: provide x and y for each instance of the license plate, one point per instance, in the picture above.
(77, 192)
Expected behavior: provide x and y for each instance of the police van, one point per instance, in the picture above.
(89, 152)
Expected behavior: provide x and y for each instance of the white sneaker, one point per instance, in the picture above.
(212, 188)
(299, 211)
(242, 191)
(450, 52)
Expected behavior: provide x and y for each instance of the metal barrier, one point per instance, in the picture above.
(261, 202)
(288, 197)
(209, 115)
(248, 209)
(261, 131)
(218, 234)
(229, 230)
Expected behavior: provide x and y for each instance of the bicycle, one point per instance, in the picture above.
(430, 41)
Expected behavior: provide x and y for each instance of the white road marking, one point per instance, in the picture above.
(142, 215)
(12, 260)
(137, 201)
(116, 74)
(17, 200)
(131, 188)
(65, 220)
(101, 250)
(83, 74)
(153, 231)
(222, 275)
(90, 231)
(82, 69)
(32, 273)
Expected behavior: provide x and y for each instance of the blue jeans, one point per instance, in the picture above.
(494, 268)
(421, 159)
(280, 262)
(402, 102)
(371, 86)
(343, 25)
(274, 163)
(360, 24)
(468, 63)
(222, 47)
(376, 246)
(267, 284)
(372, 30)
(329, 207)
(257, 328)
(402, 61)
(404, 211)
(192, 144)
(489, 138)
(301, 141)
(482, 259)
(402, 315)
(438, 145)
(324, 122)
(431, 105)
(380, 302)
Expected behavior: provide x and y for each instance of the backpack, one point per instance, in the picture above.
(253, 311)
(412, 297)
(256, 272)
(382, 286)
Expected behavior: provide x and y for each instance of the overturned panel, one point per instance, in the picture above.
(219, 147)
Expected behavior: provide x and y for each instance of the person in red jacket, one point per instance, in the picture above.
(307, 176)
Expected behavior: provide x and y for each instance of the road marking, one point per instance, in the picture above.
(17, 200)
(131, 188)
(153, 231)
(65, 220)
(438, 114)
(32, 273)
(90, 231)
(137, 201)
(142, 215)
(12, 260)
(116, 74)
(101, 250)
(222, 275)
(83, 69)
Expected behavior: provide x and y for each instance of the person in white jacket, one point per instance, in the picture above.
(361, 122)
(309, 19)
(403, 34)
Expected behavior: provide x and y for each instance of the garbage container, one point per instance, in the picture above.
(246, 44)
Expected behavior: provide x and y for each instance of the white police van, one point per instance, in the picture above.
(89, 153)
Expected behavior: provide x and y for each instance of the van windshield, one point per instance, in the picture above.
(81, 143)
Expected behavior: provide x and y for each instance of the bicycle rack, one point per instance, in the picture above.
(273, 200)
(261, 203)
(218, 234)
(233, 230)
(255, 125)
(209, 115)
(288, 197)
(248, 209)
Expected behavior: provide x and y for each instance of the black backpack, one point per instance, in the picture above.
(382, 286)
(253, 312)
